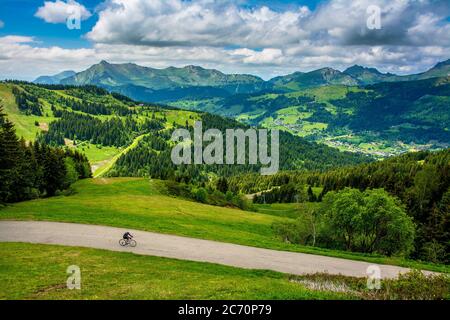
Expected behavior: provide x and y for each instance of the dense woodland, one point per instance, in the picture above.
(115, 131)
(152, 156)
(421, 181)
(28, 170)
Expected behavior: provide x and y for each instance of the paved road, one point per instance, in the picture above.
(170, 246)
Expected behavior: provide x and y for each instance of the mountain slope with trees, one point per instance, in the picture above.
(32, 170)
(81, 117)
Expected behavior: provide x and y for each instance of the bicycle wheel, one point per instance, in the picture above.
(132, 243)
(123, 242)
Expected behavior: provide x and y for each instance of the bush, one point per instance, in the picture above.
(298, 231)
(178, 189)
(413, 285)
(416, 286)
(242, 203)
(199, 194)
(434, 252)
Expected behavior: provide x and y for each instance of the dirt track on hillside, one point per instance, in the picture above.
(184, 248)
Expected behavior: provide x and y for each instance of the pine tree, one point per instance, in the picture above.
(311, 196)
(9, 157)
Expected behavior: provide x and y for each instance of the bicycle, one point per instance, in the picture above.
(128, 242)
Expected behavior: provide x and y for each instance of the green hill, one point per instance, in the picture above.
(321, 77)
(381, 119)
(104, 126)
(146, 277)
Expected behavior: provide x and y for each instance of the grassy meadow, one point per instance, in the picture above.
(141, 204)
(35, 272)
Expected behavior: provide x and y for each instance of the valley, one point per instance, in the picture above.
(339, 144)
(326, 105)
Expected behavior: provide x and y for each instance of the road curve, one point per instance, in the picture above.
(169, 246)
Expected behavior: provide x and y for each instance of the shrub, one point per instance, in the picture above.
(199, 194)
(298, 231)
(433, 251)
(416, 286)
(413, 285)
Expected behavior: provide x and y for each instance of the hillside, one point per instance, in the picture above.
(360, 109)
(152, 277)
(382, 119)
(321, 77)
(104, 125)
(107, 202)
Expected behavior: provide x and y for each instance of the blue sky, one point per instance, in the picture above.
(266, 38)
(18, 17)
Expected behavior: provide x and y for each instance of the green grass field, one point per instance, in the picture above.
(25, 125)
(139, 204)
(288, 210)
(30, 271)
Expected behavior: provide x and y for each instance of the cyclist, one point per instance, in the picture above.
(127, 236)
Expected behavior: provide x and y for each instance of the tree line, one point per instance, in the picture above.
(116, 131)
(27, 103)
(420, 180)
(29, 171)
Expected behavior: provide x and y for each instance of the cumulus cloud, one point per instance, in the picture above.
(403, 22)
(59, 11)
(218, 23)
(23, 56)
(256, 39)
(195, 23)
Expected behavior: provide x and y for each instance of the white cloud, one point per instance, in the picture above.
(195, 23)
(2, 24)
(220, 23)
(258, 40)
(23, 56)
(403, 22)
(59, 11)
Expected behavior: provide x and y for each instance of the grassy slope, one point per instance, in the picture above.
(30, 271)
(26, 128)
(138, 204)
(289, 210)
(102, 158)
(25, 125)
(110, 163)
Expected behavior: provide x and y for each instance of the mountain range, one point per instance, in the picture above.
(170, 84)
(55, 79)
(359, 109)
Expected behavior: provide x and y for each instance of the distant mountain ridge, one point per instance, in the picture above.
(106, 74)
(55, 79)
(194, 82)
(324, 76)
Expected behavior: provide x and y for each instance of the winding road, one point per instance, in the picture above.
(169, 246)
